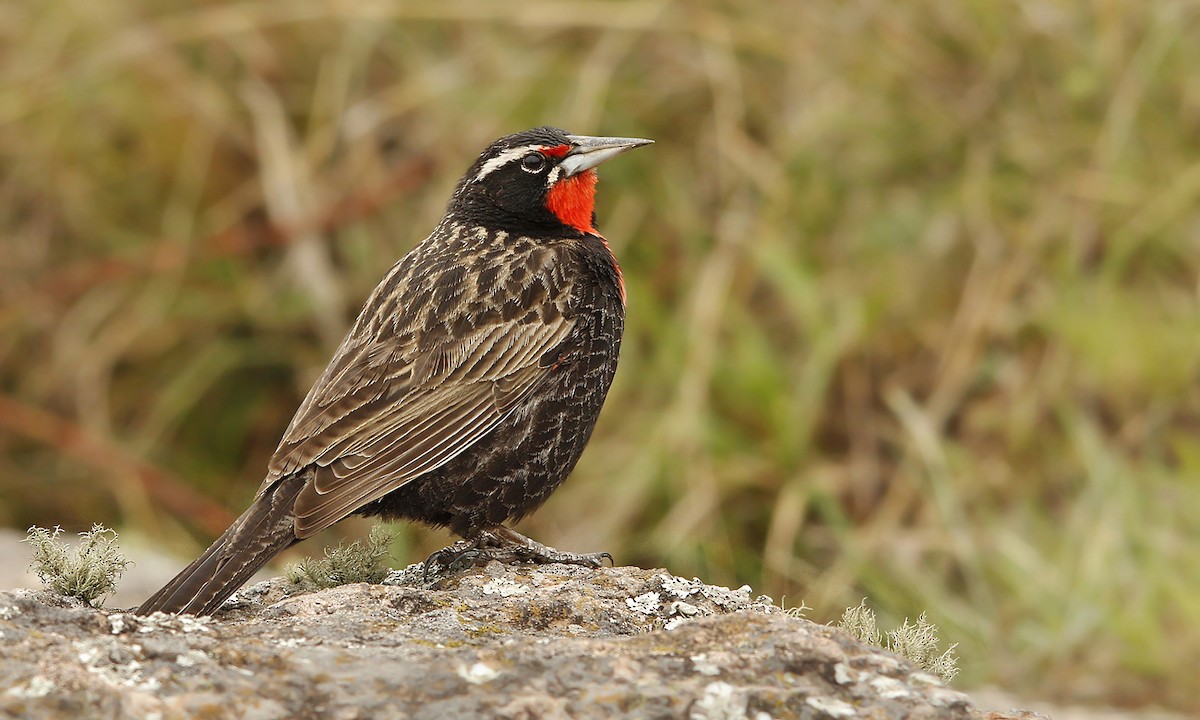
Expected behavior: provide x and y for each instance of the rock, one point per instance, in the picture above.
(505, 641)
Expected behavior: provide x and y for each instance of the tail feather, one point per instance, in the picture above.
(262, 532)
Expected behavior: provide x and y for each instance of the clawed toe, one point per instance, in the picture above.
(448, 557)
(595, 560)
(509, 547)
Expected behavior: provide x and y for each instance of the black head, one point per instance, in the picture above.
(536, 181)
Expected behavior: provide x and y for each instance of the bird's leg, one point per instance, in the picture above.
(508, 546)
(507, 543)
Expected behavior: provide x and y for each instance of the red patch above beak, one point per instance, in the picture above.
(573, 200)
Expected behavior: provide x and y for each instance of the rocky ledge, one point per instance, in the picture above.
(502, 642)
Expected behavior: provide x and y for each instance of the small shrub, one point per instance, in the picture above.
(359, 561)
(87, 571)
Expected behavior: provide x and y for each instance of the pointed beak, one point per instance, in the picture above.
(587, 152)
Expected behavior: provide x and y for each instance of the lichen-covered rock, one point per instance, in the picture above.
(504, 642)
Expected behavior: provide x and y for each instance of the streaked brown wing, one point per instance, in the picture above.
(380, 418)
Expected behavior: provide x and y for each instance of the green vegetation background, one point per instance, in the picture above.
(913, 286)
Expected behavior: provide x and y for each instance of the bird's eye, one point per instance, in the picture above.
(534, 162)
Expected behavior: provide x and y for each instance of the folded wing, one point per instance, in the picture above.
(384, 413)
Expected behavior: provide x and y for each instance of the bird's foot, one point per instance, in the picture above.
(509, 547)
(449, 559)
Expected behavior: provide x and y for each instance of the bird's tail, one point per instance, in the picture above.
(262, 532)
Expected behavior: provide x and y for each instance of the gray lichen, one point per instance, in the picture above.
(359, 561)
(88, 571)
(916, 641)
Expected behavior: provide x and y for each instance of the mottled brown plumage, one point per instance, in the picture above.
(469, 384)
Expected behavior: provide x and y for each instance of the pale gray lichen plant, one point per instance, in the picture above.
(344, 564)
(916, 641)
(87, 571)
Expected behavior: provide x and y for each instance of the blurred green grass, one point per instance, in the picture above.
(913, 287)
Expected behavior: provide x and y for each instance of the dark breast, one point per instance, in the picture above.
(511, 471)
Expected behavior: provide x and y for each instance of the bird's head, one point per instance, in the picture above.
(543, 178)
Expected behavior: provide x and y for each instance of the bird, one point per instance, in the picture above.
(466, 389)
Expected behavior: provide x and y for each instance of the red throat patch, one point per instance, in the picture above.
(574, 200)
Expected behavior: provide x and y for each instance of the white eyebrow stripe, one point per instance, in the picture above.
(503, 159)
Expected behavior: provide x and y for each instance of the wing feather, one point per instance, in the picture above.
(388, 414)
(346, 485)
